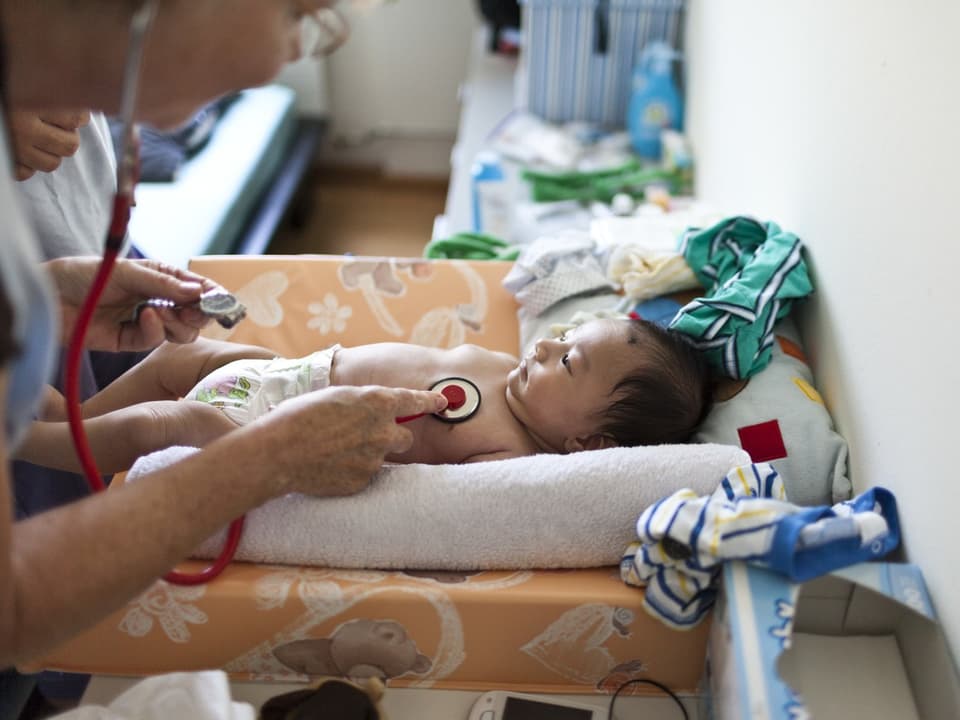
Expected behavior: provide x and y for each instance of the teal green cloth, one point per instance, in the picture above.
(471, 246)
(752, 272)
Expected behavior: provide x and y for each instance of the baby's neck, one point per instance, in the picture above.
(542, 445)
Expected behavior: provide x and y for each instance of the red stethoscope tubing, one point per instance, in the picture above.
(123, 199)
(118, 229)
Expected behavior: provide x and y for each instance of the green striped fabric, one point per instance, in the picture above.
(752, 273)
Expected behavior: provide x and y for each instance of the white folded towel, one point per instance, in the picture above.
(541, 511)
(201, 695)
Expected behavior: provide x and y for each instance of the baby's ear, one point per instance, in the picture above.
(591, 442)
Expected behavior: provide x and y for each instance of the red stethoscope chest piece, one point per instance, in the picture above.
(463, 399)
(456, 397)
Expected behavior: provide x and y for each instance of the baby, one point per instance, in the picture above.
(602, 384)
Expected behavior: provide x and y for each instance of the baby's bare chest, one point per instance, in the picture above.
(492, 429)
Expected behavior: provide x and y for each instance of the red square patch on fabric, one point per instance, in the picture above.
(762, 441)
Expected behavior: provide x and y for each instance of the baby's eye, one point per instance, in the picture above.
(566, 360)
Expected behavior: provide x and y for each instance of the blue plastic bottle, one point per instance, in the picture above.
(655, 102)
(489, 194)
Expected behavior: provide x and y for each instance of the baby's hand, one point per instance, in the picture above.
(41, 141)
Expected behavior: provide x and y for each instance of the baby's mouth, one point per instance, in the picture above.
(523, 369)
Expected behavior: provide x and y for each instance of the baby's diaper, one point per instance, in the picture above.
(246, 389)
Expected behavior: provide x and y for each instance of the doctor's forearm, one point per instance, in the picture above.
(64, 570)
(76, 564)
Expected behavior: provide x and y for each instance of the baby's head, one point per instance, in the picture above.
(609, 383)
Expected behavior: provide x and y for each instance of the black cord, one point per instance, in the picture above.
(660, 686)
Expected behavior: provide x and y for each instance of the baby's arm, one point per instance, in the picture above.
(169, 372)
(119, 437)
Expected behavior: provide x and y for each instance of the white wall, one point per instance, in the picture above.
(839, 119)
(393, 86)
(308, 77)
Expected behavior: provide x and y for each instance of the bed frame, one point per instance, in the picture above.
(231, 197)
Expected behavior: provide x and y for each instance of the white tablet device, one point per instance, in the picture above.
(497, 705)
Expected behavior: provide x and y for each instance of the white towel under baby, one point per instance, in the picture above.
(542, 511)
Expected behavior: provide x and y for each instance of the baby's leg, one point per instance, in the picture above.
(169, 372)
(218, 353)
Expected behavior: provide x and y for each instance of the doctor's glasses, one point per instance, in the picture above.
(322, 31)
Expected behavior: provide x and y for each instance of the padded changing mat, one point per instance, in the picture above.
(577, 631)
(300, 303)
(551, 631)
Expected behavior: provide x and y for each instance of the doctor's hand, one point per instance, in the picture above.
(330, 442)
(41, 140)
(132, 281)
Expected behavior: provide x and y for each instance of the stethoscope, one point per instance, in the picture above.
(463, 396)
(463, 401)
(127, 165)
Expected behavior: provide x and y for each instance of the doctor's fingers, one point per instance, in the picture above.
(34, 160)
(151, 278)
(178, 274)
(156, 325)
(350, 417)
(115, 329)
(379, 405)
(416, 402)
(330, 442)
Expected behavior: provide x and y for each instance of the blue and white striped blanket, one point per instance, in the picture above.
(684, 539)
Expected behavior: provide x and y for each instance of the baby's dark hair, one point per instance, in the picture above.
(667, 395)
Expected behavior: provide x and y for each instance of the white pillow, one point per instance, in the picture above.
(779, 417)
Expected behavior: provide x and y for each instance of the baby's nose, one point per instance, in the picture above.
(540, 350)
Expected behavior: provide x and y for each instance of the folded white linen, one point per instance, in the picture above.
(541, 511)
(201, 695)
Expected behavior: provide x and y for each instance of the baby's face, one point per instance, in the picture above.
(560, 387)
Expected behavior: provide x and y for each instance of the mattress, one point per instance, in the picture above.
(538, 631)
(215, 193)
(562, 631)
